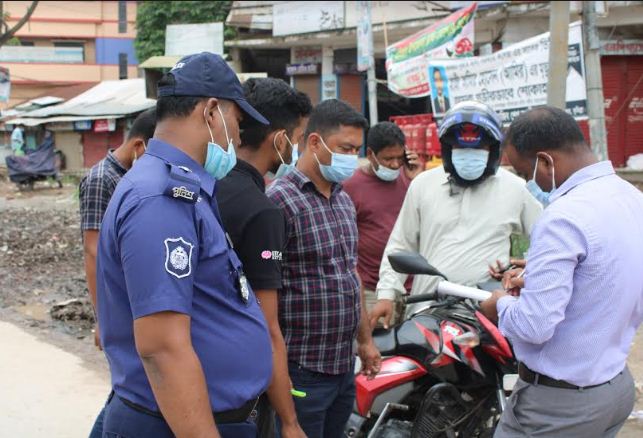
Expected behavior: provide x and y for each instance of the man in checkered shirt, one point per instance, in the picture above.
(96, 189)
(320, 302)
(98, 185)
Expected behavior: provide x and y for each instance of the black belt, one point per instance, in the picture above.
(534, 378)
(238, 415)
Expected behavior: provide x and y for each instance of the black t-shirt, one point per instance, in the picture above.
(256, 226)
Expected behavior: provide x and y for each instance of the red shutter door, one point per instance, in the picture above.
(96, 145)
(633, 110)
(350, 91)
(614, 70)
(309, 85)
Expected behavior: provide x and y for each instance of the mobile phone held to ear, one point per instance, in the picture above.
(407, 163)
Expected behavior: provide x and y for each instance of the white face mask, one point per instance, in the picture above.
(385, 173)
(284, 169)
(535, 189)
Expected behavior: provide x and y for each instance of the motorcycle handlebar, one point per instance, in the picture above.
(420, 298)
(453, 289)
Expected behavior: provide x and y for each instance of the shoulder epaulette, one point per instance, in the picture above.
(183, 184)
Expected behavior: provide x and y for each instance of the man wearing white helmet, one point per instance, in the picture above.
(461, 216)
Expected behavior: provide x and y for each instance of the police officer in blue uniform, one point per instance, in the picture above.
(186, 341)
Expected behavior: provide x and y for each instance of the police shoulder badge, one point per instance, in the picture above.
(178, 257)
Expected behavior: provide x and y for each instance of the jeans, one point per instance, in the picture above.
(328, 404)
(97, 429)
(121, 421)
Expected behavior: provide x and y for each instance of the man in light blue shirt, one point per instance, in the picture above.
(582, 298)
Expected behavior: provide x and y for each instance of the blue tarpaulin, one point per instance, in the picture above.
(38, 162)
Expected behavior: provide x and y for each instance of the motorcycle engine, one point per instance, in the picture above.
(441, 408)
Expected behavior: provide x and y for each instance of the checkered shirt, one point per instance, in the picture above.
(96, 189)
(319, 304)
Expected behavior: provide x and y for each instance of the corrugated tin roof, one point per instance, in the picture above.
(160, 62)
(117, 98)
(28, 121)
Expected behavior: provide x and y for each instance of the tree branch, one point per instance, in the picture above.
(6, 36)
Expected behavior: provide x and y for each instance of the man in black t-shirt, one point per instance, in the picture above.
(257, 226)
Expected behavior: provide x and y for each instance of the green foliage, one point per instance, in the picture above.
(153, 16)
(14, 41)
(519, 246)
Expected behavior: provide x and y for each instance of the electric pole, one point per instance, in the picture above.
(558, 53)
(594, 82)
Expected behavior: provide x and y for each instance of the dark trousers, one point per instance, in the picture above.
(121, 421)
(328, 404)
(265, 418)
(543, 411)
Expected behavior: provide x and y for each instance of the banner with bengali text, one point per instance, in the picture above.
(407, 60)
(511, 80)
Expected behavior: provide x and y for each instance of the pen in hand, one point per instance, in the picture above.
(510, 289)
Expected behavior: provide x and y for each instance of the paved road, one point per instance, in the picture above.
(45, 391)
(48, 392)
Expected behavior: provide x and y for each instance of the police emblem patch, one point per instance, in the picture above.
(178, 257)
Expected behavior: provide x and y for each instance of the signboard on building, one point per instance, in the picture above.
(407, 60)
(185, 39)
(329, 87)
(5, 84)
(511, 80)
(83, 125)
(292, 18)
(621, 47)
(306, 55)
(364, 36)
(61, 126)
(302, 69)
(105, 125)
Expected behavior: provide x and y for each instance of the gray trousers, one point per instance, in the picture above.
(543, 411)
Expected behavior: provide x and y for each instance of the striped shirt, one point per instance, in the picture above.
(96, 189)
(319, 303)
(583, 297)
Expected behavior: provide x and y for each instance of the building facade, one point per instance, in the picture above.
(69, 42)
(313, 45)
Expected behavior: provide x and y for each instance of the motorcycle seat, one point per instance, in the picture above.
(384, 340)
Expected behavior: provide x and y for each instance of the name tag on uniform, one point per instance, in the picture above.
(244, 291)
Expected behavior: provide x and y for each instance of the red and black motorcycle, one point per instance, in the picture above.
(445, 370)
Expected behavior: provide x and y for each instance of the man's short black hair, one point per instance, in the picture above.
(175, 106)
(281, 104)
(329, 115)
(143, 125)
(544, 128)
(383, 135)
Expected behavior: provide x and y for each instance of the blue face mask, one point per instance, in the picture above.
(218, 163)
(535, 190)
(342, 166)
(384, 173)
(470, 164)
(284, 169)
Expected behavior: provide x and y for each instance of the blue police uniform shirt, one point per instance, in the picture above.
(162, 248)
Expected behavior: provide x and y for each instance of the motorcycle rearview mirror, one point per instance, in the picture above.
(413, 264)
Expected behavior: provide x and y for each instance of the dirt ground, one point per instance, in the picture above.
(41, 266)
